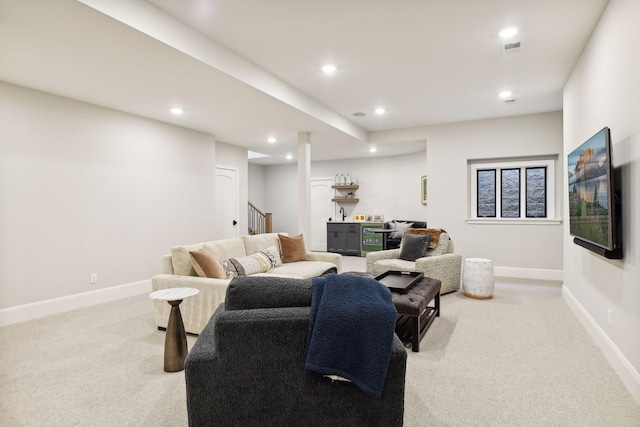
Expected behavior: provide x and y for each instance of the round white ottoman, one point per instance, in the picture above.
(477, 278)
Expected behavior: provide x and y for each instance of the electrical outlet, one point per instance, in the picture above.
(94, 278)
(610, 318)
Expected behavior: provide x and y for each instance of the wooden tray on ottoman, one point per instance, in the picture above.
(399, 281)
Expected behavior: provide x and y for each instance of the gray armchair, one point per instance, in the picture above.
(440, 263)
(248, 366)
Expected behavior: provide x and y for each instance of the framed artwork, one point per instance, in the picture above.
(423, 187)
(378, 218)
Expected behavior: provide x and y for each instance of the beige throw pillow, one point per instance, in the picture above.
(206, 265)
(293, 248)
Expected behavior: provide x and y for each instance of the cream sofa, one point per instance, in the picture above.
(196, 311)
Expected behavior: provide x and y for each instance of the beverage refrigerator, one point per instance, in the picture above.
(372, 241)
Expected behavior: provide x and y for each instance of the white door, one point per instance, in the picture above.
(227, 199)
(321, 210)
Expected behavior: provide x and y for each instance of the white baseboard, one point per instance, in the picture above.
(22, 313)
(529, 273)
(625, 370)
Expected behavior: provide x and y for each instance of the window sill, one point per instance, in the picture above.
(515, 221)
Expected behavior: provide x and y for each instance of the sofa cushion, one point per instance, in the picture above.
(393, 264)
(181, 260)
(205, 263)
(256, 242)
(442, 247)
(246, 293)
(293, 248)
(222, 249)
(247, 265)
(414, 246)
(302, 269)
(228, 248)
(400, 228)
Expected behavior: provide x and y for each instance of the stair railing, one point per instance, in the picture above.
(259, 222)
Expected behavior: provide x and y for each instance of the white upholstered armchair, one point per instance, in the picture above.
(438, 263)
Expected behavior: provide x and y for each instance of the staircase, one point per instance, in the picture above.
(259, 222)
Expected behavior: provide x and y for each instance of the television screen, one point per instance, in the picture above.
(591, 192)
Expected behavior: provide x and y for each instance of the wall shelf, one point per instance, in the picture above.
(345, 187)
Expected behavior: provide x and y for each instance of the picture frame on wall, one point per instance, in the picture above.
(423, 187)
(378, 218)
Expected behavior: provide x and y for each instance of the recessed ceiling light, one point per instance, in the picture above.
(289, 157)
(329, 69)
(505, 94)
(373, 149)
(379, 111)
(177, 111)
(272, 139)
(508, 32)
(359, 114)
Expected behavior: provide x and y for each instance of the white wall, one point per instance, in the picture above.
(525, 247)
(281, 197)
(389, 186)
(256, 186)
(603, 90)
(85, 189)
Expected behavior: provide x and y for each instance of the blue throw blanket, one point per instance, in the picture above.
(351, 329)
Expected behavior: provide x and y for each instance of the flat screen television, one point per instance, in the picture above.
(593, 197)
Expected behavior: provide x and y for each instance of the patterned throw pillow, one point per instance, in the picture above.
(273, 253)
(247, 265)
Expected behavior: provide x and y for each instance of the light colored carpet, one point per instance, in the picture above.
(519, 359)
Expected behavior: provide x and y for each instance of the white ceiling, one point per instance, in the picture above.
(247, 69)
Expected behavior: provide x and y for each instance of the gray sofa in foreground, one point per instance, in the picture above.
(248, 366)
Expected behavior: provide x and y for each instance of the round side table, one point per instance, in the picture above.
(175, 342)
(477, 278)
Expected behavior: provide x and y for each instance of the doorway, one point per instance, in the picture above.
(227, 199)
(321, 210)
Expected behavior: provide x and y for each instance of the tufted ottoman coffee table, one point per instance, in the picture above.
(415, 315)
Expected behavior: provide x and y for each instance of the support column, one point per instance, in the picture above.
(304, 186)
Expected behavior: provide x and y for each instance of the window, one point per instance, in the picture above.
(510, 194)
(512, 190)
